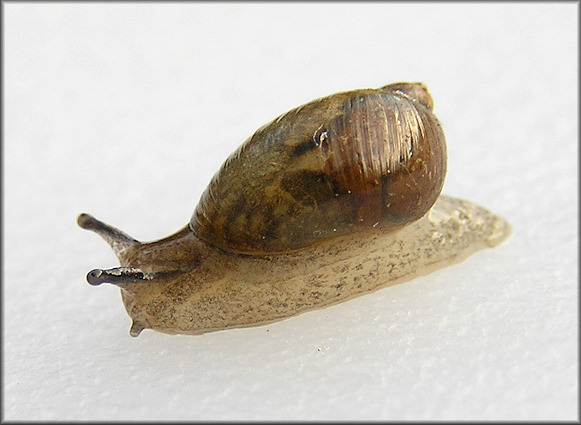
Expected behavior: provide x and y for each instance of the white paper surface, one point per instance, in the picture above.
(126, 111)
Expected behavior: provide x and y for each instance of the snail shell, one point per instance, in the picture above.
(331, 200)
(337, 165)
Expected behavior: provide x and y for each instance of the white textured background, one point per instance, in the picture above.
(126, 111)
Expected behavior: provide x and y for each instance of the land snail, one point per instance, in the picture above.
(331, 200)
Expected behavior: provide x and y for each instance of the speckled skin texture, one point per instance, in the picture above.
(225, 290)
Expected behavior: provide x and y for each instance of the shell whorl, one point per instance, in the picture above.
(352, 161)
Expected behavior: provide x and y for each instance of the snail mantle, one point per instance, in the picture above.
(334, 199)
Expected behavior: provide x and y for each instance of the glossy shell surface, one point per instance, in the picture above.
(373, 158)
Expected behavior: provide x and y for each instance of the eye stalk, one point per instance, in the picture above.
(118, 276)
(118, 240)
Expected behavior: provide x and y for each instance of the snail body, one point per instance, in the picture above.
(334, 199)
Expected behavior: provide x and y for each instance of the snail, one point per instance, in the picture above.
(331, 200)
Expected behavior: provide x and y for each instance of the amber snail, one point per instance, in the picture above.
(333, 199)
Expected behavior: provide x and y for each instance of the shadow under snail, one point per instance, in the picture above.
(334, 199)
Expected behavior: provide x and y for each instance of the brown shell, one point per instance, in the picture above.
(357, 160)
